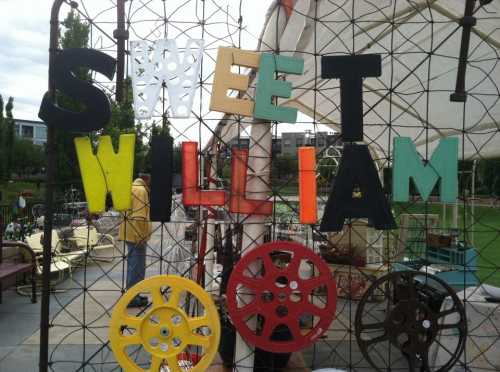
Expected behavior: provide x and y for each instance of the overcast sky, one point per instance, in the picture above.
(24, 29)
(24, 40)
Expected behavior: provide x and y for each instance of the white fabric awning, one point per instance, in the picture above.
(419, 42)
(419, 52)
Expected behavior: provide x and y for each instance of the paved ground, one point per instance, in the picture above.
(19, 330)
(80, 322)
(72, 344)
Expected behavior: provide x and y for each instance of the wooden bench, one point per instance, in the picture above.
(12, 268)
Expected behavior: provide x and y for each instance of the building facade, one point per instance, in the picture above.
(34, 131)
(289, 142)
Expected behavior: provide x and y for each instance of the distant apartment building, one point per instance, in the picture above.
(289, 142)
(35, 131)
(244, 142)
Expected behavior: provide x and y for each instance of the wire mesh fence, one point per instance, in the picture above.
(419, 43)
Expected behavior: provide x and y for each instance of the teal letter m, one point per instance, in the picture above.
(443, 167)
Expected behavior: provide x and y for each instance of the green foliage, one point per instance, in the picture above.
(12, 190)
(9, 126)
(122, 122)
(17, 156)
(489, 177)
(29, 158)
(284, 166)
(484, 225)
(75, 35)
(144, 156)
(3, 169)
(7, 138)
(177, 168)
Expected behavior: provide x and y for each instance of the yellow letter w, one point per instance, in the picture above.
(107, 171)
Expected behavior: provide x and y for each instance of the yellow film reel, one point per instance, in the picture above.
(163, 332)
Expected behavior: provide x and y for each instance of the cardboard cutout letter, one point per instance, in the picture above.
(96, 112)
(107, 172)
(162, 148)
(160, 63)
(224, 80)
(356, 170)
(191, 192)
(308, 206)
(351, 70)
(268, 87)
(442, 167)
(238, 202)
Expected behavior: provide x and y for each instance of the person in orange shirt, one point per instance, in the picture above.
(135, 231)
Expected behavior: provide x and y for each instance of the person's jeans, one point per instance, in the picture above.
(136, 263)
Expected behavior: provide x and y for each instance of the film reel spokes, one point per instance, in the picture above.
(164, 329)
(291, 309)
(404, 312)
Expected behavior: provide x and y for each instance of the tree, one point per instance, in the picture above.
(2, 143)
(283, 166)
(29, 158)
(76, 35)
(488, 171)
(7, 137)
(9, 125)
(123, 121)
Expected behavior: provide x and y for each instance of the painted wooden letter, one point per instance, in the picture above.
(238, 202)
(357, 193)
(308, 206)
(161, 63)
(268, 87)
(191, 192)
(351, 70)
(107, 171)
(97, 111)
(224, 80)
(443, 167)
(161, 178)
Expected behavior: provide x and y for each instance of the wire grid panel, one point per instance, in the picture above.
(419, 42)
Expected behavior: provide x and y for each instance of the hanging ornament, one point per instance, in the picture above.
(293, 309)
(164, 329)
(408, 317)
(161, 63)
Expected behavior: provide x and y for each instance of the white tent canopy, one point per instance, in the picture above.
(419, 42)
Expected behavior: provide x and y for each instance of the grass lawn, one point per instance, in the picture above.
(485, 229)
(486, 232)
(10, 191)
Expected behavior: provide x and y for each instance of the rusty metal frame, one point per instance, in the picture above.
(121, 35)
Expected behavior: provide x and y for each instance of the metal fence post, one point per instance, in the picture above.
(49, 197)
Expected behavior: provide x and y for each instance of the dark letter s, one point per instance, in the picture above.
(97, 110)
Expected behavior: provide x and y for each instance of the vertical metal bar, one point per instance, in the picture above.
(1, 250)
(468, 21)
(473, 202)
(120, 34)
(1, 240)
(49, 197)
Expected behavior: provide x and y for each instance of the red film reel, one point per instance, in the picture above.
(292, 309)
